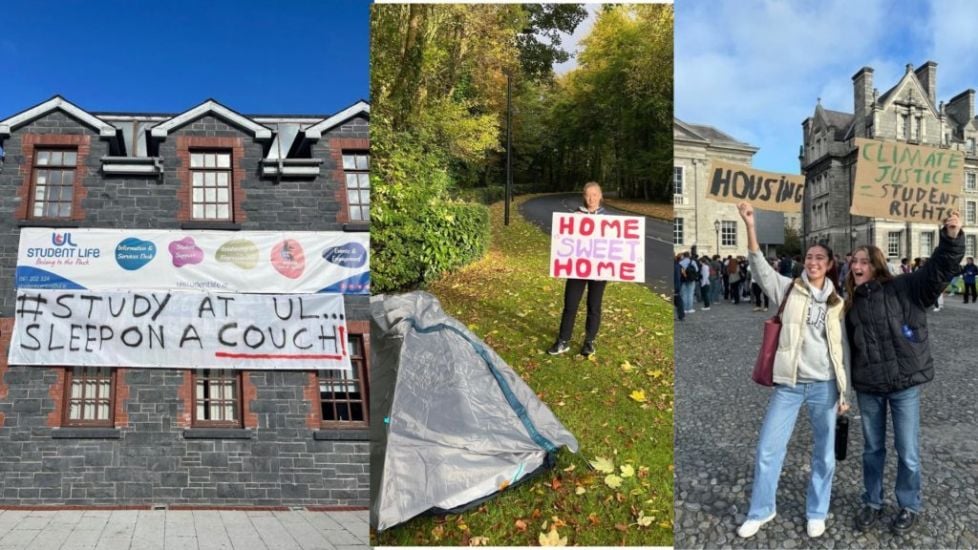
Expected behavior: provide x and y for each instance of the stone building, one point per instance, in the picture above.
(147, 436)
(712, 227)
(908, 112)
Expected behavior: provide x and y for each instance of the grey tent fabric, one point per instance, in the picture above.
(446, 422)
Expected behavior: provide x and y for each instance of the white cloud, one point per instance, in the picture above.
(755, 68)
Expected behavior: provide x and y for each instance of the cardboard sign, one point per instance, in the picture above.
(599, 248)
(898, 181)
(179, 329)
(733, 183)
(241, 261)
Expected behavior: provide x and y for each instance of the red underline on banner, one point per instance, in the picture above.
(274, 356)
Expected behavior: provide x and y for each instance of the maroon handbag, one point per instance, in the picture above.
(764, 366)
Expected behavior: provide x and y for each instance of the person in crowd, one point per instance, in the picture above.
(905, 265)
(843, 272)
(574, 290)
(886, 323)
(810, 370)
(705, 282)
(733, 275)
(785, 265)
(677, 281)
(725, 276)
(916, 265)
(716, 288)
(756, 292)
(968, 274)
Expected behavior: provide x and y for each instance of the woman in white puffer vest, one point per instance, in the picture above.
(809, 369)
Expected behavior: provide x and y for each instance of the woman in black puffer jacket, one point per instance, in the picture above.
(886, 321)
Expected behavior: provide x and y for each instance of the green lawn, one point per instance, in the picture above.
(618, 405)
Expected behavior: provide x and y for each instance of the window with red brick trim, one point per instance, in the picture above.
(344, 396)
(211, 185)
(53, 183)
(89, 396)
(356, 166)
(216, 399)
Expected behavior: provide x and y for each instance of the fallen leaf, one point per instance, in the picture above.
(552, 539)
(612, 481)
(555, 484)
(654, 373)
(621, 527)
(603, 465)
(503, 485)
(438, 532)
(478, 541)
(570, 468)
(593, 518)
(627, 470)
(638, 395)
(558, 522)
(627, 367)
(580, 491)
(535, 514)
(645, 521)
(520, 525)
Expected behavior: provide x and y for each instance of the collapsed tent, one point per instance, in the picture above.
(452, 424)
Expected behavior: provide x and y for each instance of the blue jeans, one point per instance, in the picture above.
(779, 422)
(689, 290)
(905, 411)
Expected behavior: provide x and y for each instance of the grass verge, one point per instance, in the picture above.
(660, 210)
(619, 404)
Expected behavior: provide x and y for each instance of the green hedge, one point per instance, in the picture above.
(411, 247)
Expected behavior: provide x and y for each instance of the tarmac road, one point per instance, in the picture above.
(658, 235)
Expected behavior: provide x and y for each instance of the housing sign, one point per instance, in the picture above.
(733, 183)
(600, 248)
(243, 261)
(906, 182)
(179, 329)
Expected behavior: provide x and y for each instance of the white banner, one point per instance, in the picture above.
(241, 261)
(179, 329)
(599, 248)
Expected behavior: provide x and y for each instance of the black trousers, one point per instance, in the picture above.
(735, 292)
(573, 292)
(970, 289)
(757, 292)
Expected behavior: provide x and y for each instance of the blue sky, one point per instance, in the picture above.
(310, 57)
(755, 68)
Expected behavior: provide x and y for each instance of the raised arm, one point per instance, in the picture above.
(928, 282)
(771, 282)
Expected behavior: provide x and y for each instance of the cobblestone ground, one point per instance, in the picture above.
(718, 416)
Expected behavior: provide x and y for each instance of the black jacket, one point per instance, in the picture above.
(887, 323)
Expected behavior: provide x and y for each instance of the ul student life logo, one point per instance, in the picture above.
(62, 239)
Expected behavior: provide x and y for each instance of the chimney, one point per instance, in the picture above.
(961, 108)
(862, 88)
(927, 75)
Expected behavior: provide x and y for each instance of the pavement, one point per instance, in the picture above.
(183, 530)
(658, 235)
(719, 412)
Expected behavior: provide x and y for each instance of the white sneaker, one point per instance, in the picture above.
(752, 526)
(816, 527)
(706, 309)
(690, 311)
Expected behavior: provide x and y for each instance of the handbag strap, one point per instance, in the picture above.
(785, 299)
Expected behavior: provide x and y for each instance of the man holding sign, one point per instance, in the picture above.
(589, 249)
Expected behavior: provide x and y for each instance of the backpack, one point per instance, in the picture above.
(691, 273)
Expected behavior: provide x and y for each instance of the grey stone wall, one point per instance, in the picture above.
(150, 460)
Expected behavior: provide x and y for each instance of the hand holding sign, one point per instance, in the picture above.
(953, 224)
(746, 212)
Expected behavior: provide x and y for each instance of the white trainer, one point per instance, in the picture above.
(816, 527)
(752, 526)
